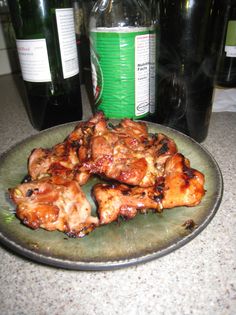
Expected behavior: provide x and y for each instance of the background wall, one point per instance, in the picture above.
(8, 55)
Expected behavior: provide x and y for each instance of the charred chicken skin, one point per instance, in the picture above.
(116, 200)
(146, 171)
(54, 204)
(127, 153)
(183, 185)
(65, 159)
(180, 186)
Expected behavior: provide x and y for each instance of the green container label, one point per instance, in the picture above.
(121, 71)
(230, 43)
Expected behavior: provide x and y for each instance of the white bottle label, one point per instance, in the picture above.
(33, 58)
(152, 72)
(67, 41)
(230, 51)
(142, 64)
(230, 43)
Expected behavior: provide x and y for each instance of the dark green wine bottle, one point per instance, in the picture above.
(46, 44)
(226, 76)
(190, 37)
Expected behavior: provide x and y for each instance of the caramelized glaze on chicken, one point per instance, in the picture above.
(116, 200)
(127, 153)
(65, 159)
(54, 204)
(183, 185)
(145, 169)
(180, 186)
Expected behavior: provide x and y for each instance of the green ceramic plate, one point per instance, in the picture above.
(116, 245)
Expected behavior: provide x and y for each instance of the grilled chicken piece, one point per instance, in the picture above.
(61, 160)
(183, 185)
(122, 200)
(180, 185)
(54, 204)
(65, 159)
(53, 199)
(127, 153)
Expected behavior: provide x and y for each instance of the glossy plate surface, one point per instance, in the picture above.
(116, 245)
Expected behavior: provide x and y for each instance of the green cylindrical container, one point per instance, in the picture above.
(122, 45)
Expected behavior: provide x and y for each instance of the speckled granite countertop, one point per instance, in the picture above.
(199, 278)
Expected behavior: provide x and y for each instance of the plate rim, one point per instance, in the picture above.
(114, 264)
